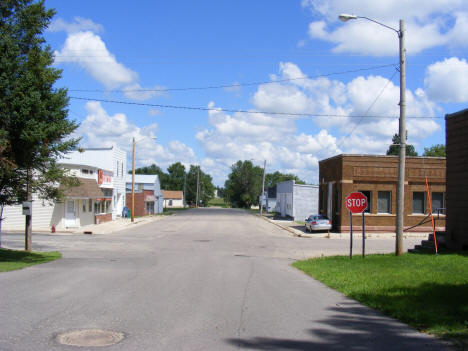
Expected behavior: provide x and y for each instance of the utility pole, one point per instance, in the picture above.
(133, 182)
(402, 154)
(198, 180)
(263, 189)
(28, 224)
(185, 184)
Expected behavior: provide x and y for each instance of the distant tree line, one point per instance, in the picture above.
(244, 183)
(437, 150)
(176, 176)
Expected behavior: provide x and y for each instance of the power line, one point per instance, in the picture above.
(198, 108)
(235, 85)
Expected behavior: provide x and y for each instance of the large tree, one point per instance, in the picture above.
(244, 184)
(271, 179)
(153, 169)
(394, 148)
(437, 150)
(206, 187)
(34, 127)
(176, 176)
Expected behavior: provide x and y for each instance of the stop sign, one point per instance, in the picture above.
(356, 202)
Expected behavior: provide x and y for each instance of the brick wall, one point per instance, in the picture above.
(456, 129)
(350, 173)
(140, 206)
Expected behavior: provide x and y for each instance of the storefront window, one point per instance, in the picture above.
(384, 202)
(419, 203)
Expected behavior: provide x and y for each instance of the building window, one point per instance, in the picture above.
(384, 202)
(419, 203)
(170, 202)
(367, 194)
(83, 202)
(90, 205)
(84, 171)
(438, 203)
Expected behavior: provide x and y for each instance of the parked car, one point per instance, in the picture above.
(317, 222)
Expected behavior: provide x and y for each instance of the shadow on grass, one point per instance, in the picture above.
(350, 327)
(20, 256)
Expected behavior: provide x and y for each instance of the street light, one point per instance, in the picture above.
(132, 213)
(402, 129)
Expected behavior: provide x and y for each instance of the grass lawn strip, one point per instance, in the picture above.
(427, 292)
(11, 260)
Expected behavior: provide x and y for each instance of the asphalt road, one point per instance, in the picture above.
(207, 279)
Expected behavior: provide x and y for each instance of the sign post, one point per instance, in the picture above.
(356, 203)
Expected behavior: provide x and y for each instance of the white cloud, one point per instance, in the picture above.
(428, 24)
(243, 136)
(89, 51)
(99, 129)
(447, 81)
(78, 25)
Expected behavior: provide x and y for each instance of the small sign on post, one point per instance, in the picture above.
(356, 203)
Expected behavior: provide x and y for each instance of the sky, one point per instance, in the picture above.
(212, 82)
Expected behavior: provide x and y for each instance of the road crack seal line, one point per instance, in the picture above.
(244, 304)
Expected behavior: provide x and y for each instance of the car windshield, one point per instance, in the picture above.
(317, 217)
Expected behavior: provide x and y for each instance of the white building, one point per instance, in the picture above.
(100, 196)
(173, 199)
(296, 200)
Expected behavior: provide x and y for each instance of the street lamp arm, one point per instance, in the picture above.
(345, 17)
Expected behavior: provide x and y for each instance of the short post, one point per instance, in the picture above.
(363, 236)
(351, 235)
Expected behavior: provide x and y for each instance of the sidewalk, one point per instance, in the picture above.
(297, 229)
(102, 228)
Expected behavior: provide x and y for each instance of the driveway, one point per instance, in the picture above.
(204, 279)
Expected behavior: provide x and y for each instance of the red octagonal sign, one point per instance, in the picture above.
(356, 202)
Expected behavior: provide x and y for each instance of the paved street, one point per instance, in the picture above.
(206, 279)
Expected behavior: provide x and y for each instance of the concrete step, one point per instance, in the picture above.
(428, 246)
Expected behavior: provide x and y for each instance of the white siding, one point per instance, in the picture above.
(42, 215)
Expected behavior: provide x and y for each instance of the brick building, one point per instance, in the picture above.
(147, 193)
(456, 133)
(376, 177)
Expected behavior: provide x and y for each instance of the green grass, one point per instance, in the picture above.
(427, 292)
(218, 202)
(11, 260)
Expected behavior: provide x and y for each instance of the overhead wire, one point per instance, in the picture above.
(234, 85)
(199, 108)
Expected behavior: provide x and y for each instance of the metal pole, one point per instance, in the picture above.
(263, 188)
(133, 182)
(402, 154)
(363, 236)
(351, 235)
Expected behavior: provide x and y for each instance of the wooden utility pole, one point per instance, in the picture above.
(28, 224)
(132, 214)
(185, 185)
(198, 184)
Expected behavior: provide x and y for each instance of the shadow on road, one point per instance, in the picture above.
(352, 328)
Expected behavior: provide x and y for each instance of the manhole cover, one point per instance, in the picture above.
(90, 337)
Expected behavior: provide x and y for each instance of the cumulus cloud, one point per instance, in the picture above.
(447, 80)
(79, 24)
(100, 129)
(275, 138)
(89, 51)
(428, 24)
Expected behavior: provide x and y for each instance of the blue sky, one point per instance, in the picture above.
(141, 53)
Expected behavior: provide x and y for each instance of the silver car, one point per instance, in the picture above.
(317, 222)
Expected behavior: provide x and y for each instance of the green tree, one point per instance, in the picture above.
(271, 179)
(394, 148)
(244, 184)
(437, 150)
(34, 124)
(206, 189)
(176, 175)
(153, 169)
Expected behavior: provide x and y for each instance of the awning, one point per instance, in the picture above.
(150, 198)
(88, 189)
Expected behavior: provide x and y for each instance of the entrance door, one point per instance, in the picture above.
(70, 214)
